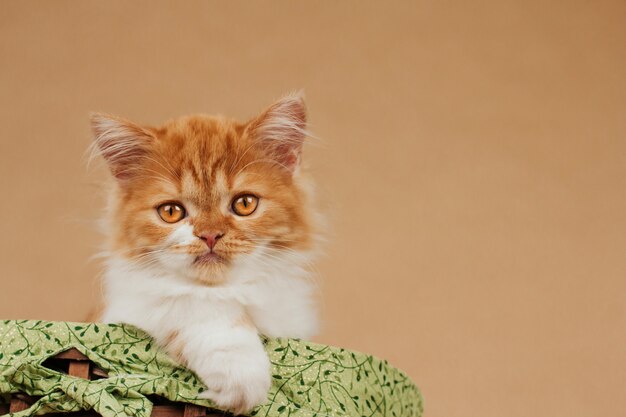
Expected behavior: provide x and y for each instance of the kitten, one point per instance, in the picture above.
(210, 232)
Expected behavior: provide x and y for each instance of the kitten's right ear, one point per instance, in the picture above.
(122, 143)
(282, 130)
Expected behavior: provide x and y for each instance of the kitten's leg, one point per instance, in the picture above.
(230, 360)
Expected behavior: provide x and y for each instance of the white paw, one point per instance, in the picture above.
(236, 382)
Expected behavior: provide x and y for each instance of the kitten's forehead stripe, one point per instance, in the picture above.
(220, 185)
(190, 169)
(191, 187)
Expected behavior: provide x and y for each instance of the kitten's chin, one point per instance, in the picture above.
(211, 269)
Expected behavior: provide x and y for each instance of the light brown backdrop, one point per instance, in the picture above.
(473, 165)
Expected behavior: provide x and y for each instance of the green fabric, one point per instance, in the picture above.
(309, 380)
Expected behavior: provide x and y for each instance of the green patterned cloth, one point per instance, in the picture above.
(309, 380)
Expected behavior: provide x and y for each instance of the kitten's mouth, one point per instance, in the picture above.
(208, 258)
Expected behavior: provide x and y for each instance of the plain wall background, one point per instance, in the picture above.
(473, 166)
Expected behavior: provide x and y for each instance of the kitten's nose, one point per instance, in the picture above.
(211, 238)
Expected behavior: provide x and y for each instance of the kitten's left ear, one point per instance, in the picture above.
(282, 130)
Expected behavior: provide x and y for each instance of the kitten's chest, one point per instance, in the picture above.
(160, 313)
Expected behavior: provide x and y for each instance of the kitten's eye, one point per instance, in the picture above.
(171, 212)
(245, 204)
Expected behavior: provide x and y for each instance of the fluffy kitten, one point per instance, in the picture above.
(210, 232)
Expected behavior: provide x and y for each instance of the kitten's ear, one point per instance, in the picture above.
(122, 143)
(282, 130)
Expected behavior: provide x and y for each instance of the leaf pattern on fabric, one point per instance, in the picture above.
(308, 379)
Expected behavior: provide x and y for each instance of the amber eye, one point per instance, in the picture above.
(245, 204)
(171, 212)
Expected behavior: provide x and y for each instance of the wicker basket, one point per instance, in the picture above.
(74, 363)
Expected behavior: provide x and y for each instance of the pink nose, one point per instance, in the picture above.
(211, 238)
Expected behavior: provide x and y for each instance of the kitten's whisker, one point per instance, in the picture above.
(159, 174)
(267, 160)
(136, 248)
(239, 158)
(170, 170)
(277, 252)
(109, 253)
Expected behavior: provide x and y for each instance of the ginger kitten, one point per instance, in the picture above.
(210, 232)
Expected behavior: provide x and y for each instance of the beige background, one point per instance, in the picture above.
(473, 164)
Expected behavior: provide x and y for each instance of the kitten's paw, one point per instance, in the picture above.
(237, 384)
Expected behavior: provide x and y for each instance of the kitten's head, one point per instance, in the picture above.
(200, 195)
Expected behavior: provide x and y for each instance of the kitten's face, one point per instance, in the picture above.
(201, 194)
